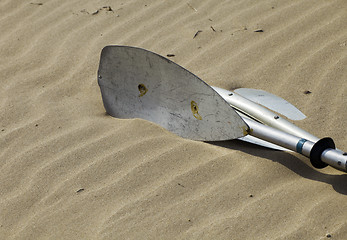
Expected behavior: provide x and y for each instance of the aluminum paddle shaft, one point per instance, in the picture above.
(321, 153)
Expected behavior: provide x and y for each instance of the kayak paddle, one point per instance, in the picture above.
(136, 83)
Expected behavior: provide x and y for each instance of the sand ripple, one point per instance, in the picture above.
(69, 171)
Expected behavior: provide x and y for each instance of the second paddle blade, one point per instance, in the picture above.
(136, 83)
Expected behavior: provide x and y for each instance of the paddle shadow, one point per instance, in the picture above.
(297, 165)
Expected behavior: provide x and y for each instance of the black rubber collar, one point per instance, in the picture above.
(317, 150)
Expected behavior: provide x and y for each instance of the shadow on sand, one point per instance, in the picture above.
(289, 160)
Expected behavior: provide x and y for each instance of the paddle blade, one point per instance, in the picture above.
(136, 83)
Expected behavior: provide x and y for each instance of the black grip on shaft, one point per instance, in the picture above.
(317, 150)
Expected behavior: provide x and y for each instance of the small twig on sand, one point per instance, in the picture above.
(196, 34)
(192, 7)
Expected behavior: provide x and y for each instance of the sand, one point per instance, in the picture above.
(70, 171)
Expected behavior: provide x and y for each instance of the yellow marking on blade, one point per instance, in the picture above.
(247, 130)
(195, 110)
(143, 90)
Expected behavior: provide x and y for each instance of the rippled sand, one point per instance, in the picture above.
(70, 171)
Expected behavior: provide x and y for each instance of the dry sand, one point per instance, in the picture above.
(69, 171)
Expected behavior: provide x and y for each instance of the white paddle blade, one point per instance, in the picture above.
(272, 102)
(262, 143)
(136, 83)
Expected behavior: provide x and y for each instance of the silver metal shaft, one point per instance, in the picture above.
(262, 114)
(319, 153)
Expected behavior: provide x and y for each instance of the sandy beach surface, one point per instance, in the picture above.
(70, 171)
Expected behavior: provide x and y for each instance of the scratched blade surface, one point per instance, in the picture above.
(136, 83)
